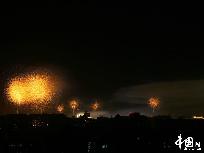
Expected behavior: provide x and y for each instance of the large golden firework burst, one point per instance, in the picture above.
(36, 89)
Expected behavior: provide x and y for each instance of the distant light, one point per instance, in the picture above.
(198, 117)
(78, 115)
(105, 146)
(38, 123)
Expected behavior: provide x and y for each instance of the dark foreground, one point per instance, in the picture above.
(59, 134)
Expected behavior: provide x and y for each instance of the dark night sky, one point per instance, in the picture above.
(103, 47)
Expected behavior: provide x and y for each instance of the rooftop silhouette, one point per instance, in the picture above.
(58, 133)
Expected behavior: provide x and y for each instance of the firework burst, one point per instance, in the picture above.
(33, 89)
(60, 108)
(95, 106)
(154, 103)
(74, 104)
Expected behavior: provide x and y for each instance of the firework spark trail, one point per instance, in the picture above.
(36, 89)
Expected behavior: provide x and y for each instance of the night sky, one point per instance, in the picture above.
(118, 52)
